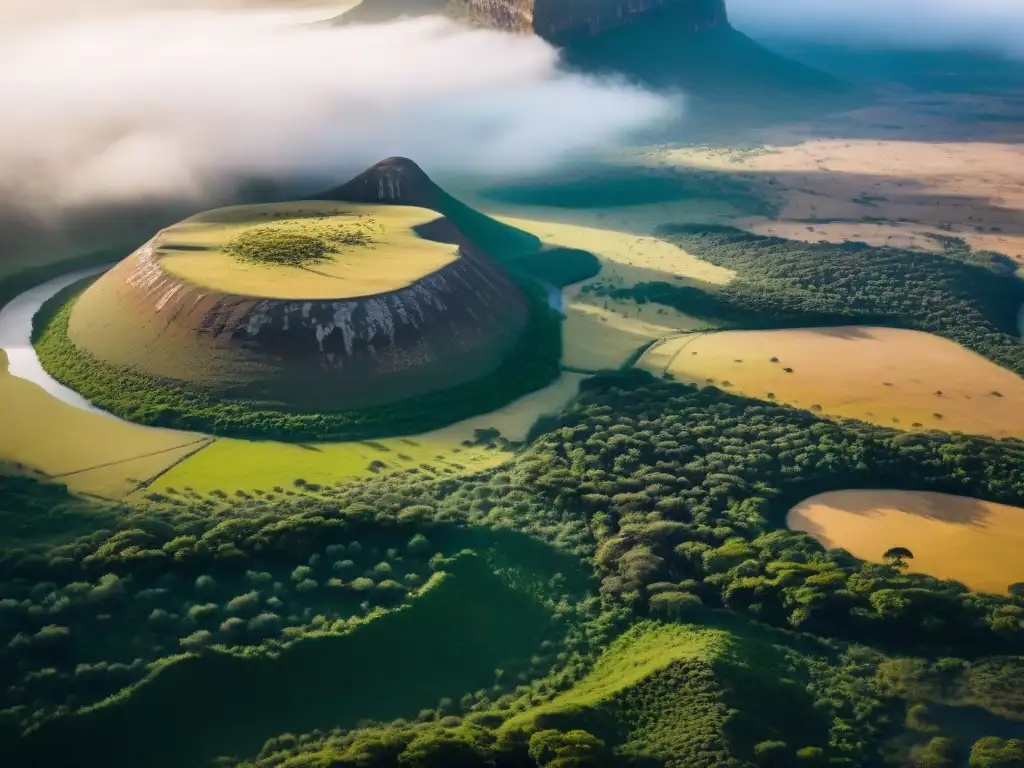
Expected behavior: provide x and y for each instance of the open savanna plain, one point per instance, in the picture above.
(974, 542)
(886, 376)
(896, 173)
(628, 568)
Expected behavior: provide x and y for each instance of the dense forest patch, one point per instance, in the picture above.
(962, 295)
(400, 661)
(675, 498)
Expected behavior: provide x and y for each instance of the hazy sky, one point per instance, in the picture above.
(996, 25)
(121, 103)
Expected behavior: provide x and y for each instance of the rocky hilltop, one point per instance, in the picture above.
(441, 328)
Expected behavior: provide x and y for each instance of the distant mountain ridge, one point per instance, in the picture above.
(687, 44)
(558, 21)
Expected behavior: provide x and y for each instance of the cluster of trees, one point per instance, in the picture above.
(532, 363)
(962, 295)
(675, 495)
(139, 599)
(681, 489)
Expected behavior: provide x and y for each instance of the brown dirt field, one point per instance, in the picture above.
(885, 376)
(974, 542)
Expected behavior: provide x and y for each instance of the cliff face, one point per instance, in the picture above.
(558, 21)
(561, 21)
(450, 326)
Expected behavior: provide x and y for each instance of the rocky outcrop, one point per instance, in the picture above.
(396, 180)
(559, 21)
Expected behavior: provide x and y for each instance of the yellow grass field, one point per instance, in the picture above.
(89, 452)
(600, 332)
(953, 537)
(231, 465)
(248, 465)
(885, 376)
(396, 257)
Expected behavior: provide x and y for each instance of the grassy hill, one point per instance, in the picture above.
(689, 694)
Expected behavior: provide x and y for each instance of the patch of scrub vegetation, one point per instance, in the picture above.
(693, 695)
(787, 283)
(531, 363)
(673, 496)
(296, 243)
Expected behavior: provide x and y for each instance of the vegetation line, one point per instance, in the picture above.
(531, 364)
(150, 480)
(134, 458)
(684, 345)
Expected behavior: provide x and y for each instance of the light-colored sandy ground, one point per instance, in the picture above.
(231, 465)
(90, 453)
(601, 332)
(395, 257)
(953, 537)
(886, 376)
(890, 174)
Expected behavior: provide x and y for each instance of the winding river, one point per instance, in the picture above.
(16, 335)
(16, 338)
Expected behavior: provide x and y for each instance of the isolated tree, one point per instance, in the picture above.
(897, 557)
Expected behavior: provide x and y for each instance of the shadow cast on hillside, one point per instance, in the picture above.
(946, 508)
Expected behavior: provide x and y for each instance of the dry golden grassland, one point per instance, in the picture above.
(393, 257)
(601, 332)
(885, 376)
(89, 452)
(975, 542)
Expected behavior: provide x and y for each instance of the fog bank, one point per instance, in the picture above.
(122, 104)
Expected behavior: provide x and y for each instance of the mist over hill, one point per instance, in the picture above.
(214, 96)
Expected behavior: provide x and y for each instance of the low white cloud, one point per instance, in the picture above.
(126, 104)
(992, 25)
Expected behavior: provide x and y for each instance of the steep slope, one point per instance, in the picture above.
(383, 307)
(665, 48)
(399, 181)
(686, 44)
